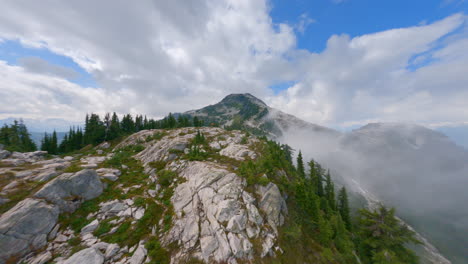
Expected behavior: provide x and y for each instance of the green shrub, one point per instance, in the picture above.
(157, 164)
(195, 153)
(156, 252)
(244, 140)
(166, 177)
(199, 139)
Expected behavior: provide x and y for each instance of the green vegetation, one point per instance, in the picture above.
(196, 153)
(165, 177)
(15, 137)
(383, 237)
(97, 130)
(319, 221)
(103, 228)
(156, 252)
(158, 164)
(156, 136)
(78, 219)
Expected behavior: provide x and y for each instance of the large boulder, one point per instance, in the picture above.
(88, 256)
(24, 228)
(69, 190)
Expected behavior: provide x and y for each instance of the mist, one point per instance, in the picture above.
(418, 171)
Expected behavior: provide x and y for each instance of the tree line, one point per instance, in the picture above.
(320, 212)
(376, 236)
(97, 130)
(15, 137)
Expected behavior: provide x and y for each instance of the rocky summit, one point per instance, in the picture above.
(159, 196)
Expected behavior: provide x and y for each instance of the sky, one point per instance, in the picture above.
(337, 63)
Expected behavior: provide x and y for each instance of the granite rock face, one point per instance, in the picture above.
(25, 227)
(217, 218)
(69, 190)
(88, 256)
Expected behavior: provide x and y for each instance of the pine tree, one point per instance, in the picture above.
(300, 166)
(53, 144)
(138, 123)
(15, 137)
(114, 127)
(343, 207)
(330, 192)
(171, 121)
(45, 143)
(196, 122)
(325, 231)
(319, 180)
(380, 232)
(95, 130)
(127, 125)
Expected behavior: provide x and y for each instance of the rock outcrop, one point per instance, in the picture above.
(217, 219)
(205, 206)
(88, 256)
(69, 190)
(25, 227)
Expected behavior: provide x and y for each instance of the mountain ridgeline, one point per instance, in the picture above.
(166, 180)
(187, 195)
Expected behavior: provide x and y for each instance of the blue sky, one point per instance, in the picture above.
(358, 17)
(12, 51)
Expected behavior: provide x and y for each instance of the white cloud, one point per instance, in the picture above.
(366, 78)
(160, 56)
(304, 22)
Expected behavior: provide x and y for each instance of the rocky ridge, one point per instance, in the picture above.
(194, 208)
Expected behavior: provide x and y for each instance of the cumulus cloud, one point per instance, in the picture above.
(167, 56)
(369, 78)
(156, 57)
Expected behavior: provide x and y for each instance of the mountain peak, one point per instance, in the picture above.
(242, 98)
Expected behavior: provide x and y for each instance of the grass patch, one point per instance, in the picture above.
(156, 136)
(140, 202)
(157, 164)
(166, 177)
(103, 228)
(157, 253)
(74, 241)
(74, 167)
(128, 235)
(176, 151)
(77, 220)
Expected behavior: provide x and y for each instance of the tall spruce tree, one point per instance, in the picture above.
(330, 191)
(382, 234)
(343, 207)
(114, 127)
(319, 180)
(53, 144)
(300, 166)
(128, 125)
